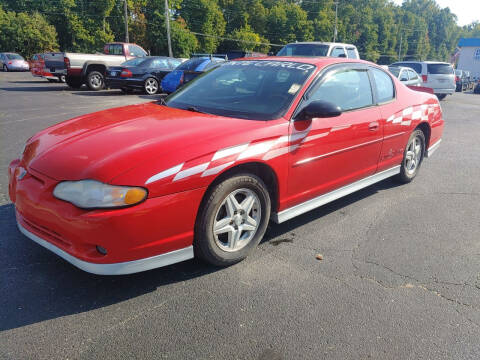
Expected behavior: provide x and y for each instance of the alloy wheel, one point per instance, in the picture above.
(414, 155)
(95, 81)
(237, 220)
(151, 86)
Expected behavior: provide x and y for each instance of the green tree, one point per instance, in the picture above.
(249, 40)
(26, 34)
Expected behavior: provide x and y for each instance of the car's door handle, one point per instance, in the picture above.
(373, 126)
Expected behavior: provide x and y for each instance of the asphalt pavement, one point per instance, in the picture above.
(399, 279)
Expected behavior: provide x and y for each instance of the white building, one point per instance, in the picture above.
(469, 58)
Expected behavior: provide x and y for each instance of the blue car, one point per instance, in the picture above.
(188, 71)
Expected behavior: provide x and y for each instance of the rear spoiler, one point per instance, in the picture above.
(421, 89)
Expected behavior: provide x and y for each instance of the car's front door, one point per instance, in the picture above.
(327, 153)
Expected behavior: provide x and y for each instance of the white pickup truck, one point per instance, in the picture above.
(90, 69)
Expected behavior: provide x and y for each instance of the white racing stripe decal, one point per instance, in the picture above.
(191, 171)
(165, 173)
(256, 149)
(229, 151)
(216, 169)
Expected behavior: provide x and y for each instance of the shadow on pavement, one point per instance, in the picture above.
(37, 285)
(52, 87)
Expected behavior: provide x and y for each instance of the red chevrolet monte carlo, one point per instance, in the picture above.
(201, 174)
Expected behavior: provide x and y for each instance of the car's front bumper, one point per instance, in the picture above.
(155, 233)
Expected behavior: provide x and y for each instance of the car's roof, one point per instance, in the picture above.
(422, 62)
(401, 67)
(322, 43)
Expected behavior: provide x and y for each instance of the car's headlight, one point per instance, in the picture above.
(88, 194)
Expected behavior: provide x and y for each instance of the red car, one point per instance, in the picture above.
(201, 174)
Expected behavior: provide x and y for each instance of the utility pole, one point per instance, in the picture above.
(400, 46)
(167, 24)
(336, 16)
(126, 21)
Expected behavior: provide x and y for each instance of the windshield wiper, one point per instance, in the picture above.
(194, 109)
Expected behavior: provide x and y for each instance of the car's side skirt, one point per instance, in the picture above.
(127, 267)
(432, 148)
(311, 204)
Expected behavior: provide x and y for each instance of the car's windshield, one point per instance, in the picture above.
(304, 50)
(394, 70)
(257, 90)
(135, 61)
(14, 57)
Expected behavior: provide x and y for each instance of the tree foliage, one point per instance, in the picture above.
(382, 30)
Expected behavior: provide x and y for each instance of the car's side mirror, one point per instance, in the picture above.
(403, 79)
(318, 109)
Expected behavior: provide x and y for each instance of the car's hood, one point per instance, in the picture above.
(102, 145)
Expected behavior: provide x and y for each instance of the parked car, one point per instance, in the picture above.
(201, 173)
(406, 75)
(439, 76)
(188, 71)
(476, 89)
(316, 48)
(461, 80)
(13, 62)
(141, 73)
(55, 67)
(37, 65)
(90, 68)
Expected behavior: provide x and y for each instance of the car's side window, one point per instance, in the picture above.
(384, 85)
(352, 53)
(347, 88)
(403, 76)
(338, 52)
(136, 51)
(413, 76)
(159, 63)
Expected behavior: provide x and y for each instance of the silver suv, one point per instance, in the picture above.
(316, 48)
(436, 75)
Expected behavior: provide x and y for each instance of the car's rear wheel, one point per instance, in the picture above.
(151, 86)
(412, 157)
(95, 81)
(232, 220)
(441, 96)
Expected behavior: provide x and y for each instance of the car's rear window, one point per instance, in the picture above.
(415, 66)
(394, 70)
(439, 69)
(190, 65)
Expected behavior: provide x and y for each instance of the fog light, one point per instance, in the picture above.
(101, 250)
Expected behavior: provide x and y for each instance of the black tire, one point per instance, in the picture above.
(206, 246)
(406, 174)
(95, 80)
(74, 83)
(441, 96)
(5, 68)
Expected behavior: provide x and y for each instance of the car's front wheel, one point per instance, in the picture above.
(412, 157)
(232, 220)
(151, 86)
